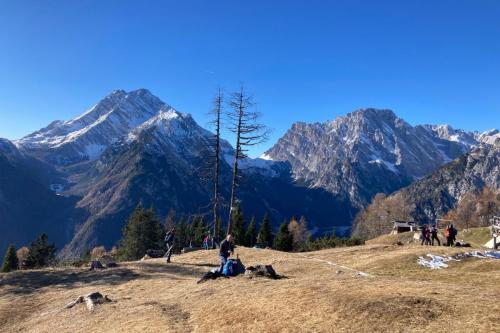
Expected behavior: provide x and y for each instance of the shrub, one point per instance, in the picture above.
(10, 261)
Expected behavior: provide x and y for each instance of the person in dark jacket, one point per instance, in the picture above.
(426, 235)
(434, 233)
(226, 249)
(169, 244)
(453, 234)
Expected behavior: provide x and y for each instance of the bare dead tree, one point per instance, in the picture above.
(244, 123)
(216, 111)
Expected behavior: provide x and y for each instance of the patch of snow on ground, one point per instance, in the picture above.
(435, 262)
(483, 254)
(438, 262)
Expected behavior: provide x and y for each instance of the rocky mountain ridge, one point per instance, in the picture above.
(368, 151)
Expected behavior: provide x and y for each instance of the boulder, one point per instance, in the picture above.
(261, 270)
(96, 264)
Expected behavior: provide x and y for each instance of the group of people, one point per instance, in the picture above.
(225, 250)
(430, 234)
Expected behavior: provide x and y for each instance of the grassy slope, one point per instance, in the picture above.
(400, 296)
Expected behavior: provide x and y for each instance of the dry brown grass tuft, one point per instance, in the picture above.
(152, 296)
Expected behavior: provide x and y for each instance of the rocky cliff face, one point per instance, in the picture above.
(435, 194)
(366, 152)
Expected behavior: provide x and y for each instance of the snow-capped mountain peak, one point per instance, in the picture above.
(87, 135)
(168, 122)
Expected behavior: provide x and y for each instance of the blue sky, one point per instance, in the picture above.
(429, 61)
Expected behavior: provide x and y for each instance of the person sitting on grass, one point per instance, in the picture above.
(226, 249)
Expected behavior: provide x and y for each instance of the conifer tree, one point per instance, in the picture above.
(251, 233)
(219, 232)
(142, 232)
(265, 235)
(40, 252)
(10, 262)
(238, 225)
(190, 230)
(170, 220)
(284, 239)
(199, 230)
(182, 235)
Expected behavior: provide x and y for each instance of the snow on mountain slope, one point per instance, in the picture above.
(446, 132)
(491, 137)
(177, 130)
(85, 137)
(366, 152)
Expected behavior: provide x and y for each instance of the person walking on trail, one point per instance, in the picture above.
(434, 233)
(169, 243)
(205, 242)
(226, 249)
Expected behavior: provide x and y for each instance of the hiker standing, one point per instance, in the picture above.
(205, 242)
(226, 249)
(425, 235)
(434, 233)
(169, 243)
(453, 234)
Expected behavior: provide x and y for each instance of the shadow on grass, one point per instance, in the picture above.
(27, 282)
(181, 269)
(202, 265)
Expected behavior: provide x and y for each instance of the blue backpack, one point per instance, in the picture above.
(227, 270)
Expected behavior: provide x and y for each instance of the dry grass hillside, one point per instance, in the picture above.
(151, 296)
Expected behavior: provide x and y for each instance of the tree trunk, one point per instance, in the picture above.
(235, 164)
(217, 166)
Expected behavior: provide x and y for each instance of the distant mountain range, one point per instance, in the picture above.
(369, 151)
(79, 180)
